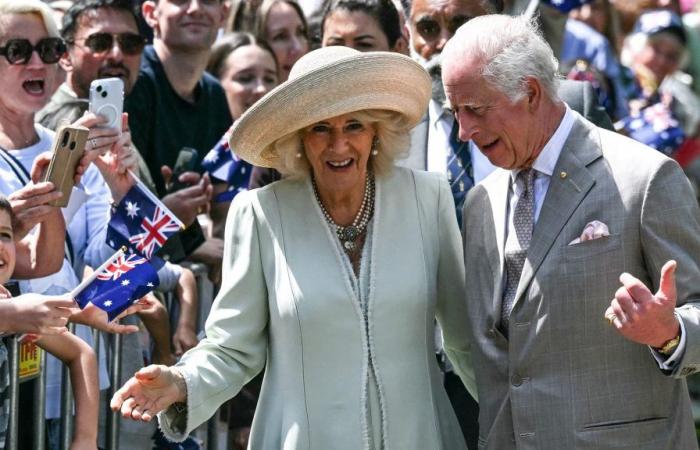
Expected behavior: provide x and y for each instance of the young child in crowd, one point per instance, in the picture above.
(48, 316)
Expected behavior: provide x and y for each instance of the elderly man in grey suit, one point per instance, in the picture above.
(546, 238)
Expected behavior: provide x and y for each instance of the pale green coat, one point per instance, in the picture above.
(286, 303)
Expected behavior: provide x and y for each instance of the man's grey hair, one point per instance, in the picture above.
(512, 50)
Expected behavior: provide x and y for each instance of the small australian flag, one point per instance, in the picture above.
(141, 222)
(117, 284)
(224, 165)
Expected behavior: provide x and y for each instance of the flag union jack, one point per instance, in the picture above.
(120, 266)
(157, 229)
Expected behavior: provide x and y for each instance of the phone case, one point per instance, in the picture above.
(107, 100)
(68, 148)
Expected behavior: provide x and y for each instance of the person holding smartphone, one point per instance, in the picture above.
(103, 41)
(30, 48)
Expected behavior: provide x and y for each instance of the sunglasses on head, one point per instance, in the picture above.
(129, 43)
(19, 51)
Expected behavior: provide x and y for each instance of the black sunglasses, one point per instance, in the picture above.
(130, 43)
(19, 51)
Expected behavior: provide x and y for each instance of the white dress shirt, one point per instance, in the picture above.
(544, 167)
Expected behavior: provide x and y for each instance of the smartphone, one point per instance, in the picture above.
(68, 148)
(107, 100)
(187, 160)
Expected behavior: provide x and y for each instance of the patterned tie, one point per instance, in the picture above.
(518, 241)
(459, 169)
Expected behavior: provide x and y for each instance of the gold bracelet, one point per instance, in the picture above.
(670, 345)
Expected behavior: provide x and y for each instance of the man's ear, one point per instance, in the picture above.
(150, 15)
(406, 30)
(534, 93)
(225, 10)
(66, 62)
(401, 46)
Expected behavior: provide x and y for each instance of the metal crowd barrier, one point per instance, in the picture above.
(208, 432)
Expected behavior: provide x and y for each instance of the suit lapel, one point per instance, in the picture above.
(569, 185)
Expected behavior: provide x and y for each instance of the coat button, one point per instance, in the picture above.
(516, 380)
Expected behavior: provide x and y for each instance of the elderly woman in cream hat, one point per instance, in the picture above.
(332, 277)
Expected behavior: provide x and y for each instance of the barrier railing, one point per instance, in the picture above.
(13, 393)
(208, 433)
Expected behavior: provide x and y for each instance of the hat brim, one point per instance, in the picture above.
(375, 80)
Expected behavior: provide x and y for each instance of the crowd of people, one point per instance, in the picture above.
(323, 157)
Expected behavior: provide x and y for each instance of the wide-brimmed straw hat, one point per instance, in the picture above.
(326, 83)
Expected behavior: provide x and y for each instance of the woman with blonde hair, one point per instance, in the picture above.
(280, 23)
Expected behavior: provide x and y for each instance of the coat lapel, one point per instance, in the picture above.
(417, 157)
(498, 197)
(569, 185)
(301, 215)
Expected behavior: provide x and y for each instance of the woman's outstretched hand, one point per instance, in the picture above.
(150, 391)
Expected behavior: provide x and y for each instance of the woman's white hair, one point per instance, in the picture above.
(392, 141)
(635, 43)
(41, 9)
(512, 49)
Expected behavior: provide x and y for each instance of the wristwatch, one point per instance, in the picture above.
(670, 345)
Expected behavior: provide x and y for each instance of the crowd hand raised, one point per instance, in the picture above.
(151, 390)
(35, 313)
(211, 253)
(190, 201)
(116, 164)
(184, 339)
(30, 206)
(643, 317)
(100, 140)
(97, 318)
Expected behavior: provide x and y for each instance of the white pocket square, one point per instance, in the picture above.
(592, 230)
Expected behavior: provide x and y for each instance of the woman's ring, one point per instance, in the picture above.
(610, 317)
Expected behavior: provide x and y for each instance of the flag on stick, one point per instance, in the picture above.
(141, 222)
(117, 283)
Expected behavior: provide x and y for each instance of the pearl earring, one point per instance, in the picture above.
(298, 155)
(375, 143)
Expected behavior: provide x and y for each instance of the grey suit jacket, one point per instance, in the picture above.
(579, 95)
(565, 379)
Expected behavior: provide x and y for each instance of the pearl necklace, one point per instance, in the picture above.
(349, 234)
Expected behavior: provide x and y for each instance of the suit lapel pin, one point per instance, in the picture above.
(563, 174)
